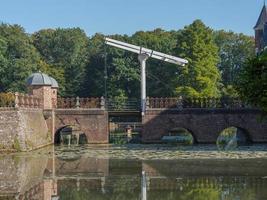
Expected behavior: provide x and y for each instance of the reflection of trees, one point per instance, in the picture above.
(121, 187)
(116, 188)
(196, 189)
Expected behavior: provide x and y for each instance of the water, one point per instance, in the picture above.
(135, 172)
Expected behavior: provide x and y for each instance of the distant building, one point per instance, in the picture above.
(261, 31)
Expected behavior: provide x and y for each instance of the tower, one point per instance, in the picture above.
(261, 31)
(44, 87)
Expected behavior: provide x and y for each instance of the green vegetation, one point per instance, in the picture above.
(7, 100)
(227, 136)
(121, 138)
(77, 61)
(201, 77)
(16, 144)
(252, 84)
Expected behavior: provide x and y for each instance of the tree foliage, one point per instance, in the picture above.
(200, 78)
(234, 51)
(64, 50)
(252, 84)
(77, 62)
(18, 57)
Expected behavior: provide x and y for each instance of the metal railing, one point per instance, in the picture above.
(180, 103)
(123, 104)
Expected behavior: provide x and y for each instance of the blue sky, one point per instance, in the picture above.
(129, 16)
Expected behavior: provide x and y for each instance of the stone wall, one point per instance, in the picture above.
(204, 124)
(92, 122)
(23, 130)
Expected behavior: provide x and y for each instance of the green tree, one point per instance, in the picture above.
(252, 83)
(3, 62)
(201, 77)
(19, 58)
(161, 76)
(66, 50)
(234, 51)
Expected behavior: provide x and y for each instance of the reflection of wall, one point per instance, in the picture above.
(83, 166)
(21, 174)
(203, 167)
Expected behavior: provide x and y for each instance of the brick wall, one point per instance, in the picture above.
(93, 122)
(23, 130)
(204, 124)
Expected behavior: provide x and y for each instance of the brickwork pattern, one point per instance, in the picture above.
(204, 124)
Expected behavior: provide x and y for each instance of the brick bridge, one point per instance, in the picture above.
(205, 118)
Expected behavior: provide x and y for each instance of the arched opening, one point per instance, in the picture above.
(233, 137)
(179, 136)
(69, 135)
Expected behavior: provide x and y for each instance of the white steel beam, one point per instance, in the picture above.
(143, 55)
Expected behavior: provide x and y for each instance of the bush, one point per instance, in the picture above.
(7, 100)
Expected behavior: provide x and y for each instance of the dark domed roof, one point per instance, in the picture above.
(39, 79)
(54, 82)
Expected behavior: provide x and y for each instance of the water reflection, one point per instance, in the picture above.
(65, 173)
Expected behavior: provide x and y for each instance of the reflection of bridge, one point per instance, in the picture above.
(58, 175)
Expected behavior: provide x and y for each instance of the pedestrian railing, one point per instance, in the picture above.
(181, 103)
(123, 104)
(80, 103)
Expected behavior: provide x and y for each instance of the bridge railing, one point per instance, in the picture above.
(180, 103)
(27, 101)
(123, 104)
(80, 103)
(19, 100)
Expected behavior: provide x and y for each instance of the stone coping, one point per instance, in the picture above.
(203, 110)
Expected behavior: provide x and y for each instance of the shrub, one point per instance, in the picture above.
(7, 100)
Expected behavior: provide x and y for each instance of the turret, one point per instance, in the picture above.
(261, 31)
(44, 87)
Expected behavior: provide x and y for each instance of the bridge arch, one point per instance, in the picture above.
(241, 134)
(70, 130)
(183, 131)
(57, 133)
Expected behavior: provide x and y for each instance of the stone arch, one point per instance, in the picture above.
(243, 134)
(185, 130)
(69, 128)
(57, 133)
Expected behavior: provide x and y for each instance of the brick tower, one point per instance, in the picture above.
(261, 31)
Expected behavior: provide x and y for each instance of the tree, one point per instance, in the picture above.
(65, 49)
(161, 76)
(234, 50)
(200, 78)
(252, 82)
(19, 58)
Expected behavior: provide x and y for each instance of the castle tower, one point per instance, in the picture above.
(44, 87)
(261, 31)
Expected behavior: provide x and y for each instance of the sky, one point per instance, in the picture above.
(128, 16)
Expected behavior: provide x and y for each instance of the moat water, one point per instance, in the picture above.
(135, 172)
